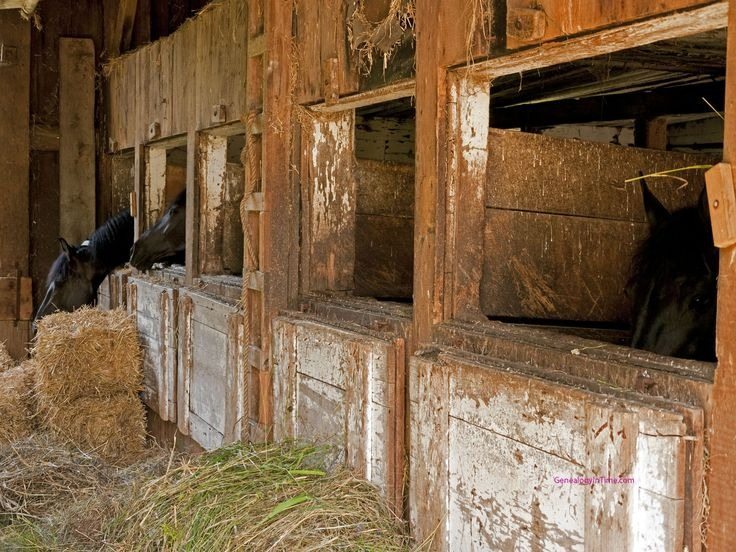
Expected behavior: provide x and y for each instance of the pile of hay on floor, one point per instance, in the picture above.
(5, 359)
(17, 402)
(55, 496)
(268, 497)
(88, 377)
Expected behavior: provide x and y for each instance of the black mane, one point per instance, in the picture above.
(110, 243)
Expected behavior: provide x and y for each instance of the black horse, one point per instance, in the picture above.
(78, 271)
(673, 282)
(165, 241)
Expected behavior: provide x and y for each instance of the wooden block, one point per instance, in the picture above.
(219, 113)
(254, 202)
(257, 45)
(525, 24)
(154, 130)
(722, 204)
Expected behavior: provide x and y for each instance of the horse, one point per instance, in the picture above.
(78, 271)
(165, 241)
(674, 282)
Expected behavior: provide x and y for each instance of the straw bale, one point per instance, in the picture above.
(5, 359)
(85, 353)
(112, 427)
(17, 404)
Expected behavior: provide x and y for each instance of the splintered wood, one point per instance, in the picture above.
(495, 448)
(339, 385)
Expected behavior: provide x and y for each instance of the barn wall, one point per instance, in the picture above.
(176, 82)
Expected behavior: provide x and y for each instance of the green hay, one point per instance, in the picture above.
(266, 497)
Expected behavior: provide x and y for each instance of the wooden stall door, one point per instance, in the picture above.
(497, 458)
(155, 309)
(561, 225)
(213, 380)
(345, 387)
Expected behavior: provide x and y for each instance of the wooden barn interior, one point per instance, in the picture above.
(409, 232)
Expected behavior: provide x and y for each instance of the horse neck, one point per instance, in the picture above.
(111, 245)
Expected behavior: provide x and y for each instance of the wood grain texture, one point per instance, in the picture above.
(339, 385)
(502, 419)
(562, 226)
(570, 17)
(157, 318)
(328, 202)
(77, 138)
(440, 37)
(14, 155)
(722, 446)
(213, 388)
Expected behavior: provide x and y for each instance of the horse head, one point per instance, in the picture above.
(673, 280)
(69, 284)
(164, 242)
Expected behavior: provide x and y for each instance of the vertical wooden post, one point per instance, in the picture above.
(722, 519)
(14, 169)
(77, 186)
(192, 214)
(441, 41)
(468, 121)
(279, 223)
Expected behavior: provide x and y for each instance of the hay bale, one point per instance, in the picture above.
(112, 427)
(17, 405)
(6, 360)
(86, 353)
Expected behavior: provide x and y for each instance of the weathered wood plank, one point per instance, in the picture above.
(343, 389)
(640, 33)
(723, 437)
(329, 196)
(77, 138)
(534, 430)
(533, 172)
(572, 17)
(556, 267)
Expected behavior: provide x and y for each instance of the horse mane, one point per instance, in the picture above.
(111, 242)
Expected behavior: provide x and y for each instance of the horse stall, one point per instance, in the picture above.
(405, 229)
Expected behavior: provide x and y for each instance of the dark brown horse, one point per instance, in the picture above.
(673, 282)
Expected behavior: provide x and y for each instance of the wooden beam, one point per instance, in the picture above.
(14, 154)
(625, 37)
(27, 6)
(192, 214)
(123, 29)
(77, 138)
(401, 89)
(722, 446)
(441, 39)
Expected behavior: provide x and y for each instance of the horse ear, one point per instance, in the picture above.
(656, 212)
(66, 249)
